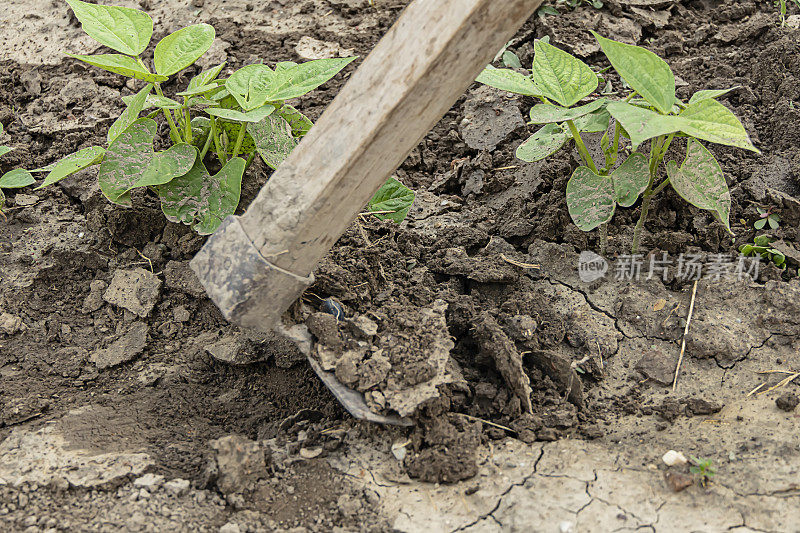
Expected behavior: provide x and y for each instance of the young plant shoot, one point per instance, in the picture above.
(13, 179)
(230, 120)
(650, 112)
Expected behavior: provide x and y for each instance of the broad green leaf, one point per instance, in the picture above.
(200, 89)
(131, 113)
(299, 122)
(4, 150)
(511, 60)
(2, 200)
(642, 124)
(255, 115)
(644, 71)
(709, 93)
(641, 102)
(547, 113)
(71, 164)
(182, 48)
(200, 100)
(201, 200)
(285, 65)
(120, 28)
(560, 76)
(130, 162)
(273, 139)
(590, 199)
(700, 181)
(509, 80)
(119, 64)
(300, 79)
(250, 85)
(154, 100)
(593, 122)
(392, 201)
(15, 179)
(631, 179)
(545, 142)
(711, 121)
(205, 77)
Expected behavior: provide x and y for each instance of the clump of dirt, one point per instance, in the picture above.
(469, 317)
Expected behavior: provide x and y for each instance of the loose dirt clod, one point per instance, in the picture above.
(136, 290)
(508, 360)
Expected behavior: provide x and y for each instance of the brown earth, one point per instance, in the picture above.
(158, 382)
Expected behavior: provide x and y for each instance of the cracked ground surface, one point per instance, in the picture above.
(80, 439)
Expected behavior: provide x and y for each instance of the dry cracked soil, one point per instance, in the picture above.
(539, 401)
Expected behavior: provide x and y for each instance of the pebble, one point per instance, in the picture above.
(149, 481)
(673, 458)
(230, 527)
(177, 487)
(787, 402)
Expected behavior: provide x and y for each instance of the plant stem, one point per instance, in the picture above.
(249, 160)
(176, 134)
(581, 147)
(239, 139)
(217, 143)
(187, 120)
(207, 144)
(658, 148)
(660, 187)
(603, 238)
(637, 231)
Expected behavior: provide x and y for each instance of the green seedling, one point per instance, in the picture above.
(13, 179)
(782, 9)
(761, 247)
(220, 123)
(704, 468)
(650, 112)
(765, 217)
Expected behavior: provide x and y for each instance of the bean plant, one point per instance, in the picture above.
(651, 113)
(13, 179)
(213, 123)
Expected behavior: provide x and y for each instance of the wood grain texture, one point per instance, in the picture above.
(412, 77)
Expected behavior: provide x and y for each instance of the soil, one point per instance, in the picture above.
(539, 401)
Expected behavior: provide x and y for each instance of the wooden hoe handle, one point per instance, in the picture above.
(256, 265)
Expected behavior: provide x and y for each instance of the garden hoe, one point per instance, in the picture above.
(256, 265)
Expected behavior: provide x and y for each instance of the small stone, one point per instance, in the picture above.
(566, 527)
(177, 486)
(230, 527)
(149, 481)
(180, 314)
(310, 453)
(787, 402)
(678, 481)
(673, 458)
(10, 324)
(399, 450)
(136, 290)
(699, 406)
